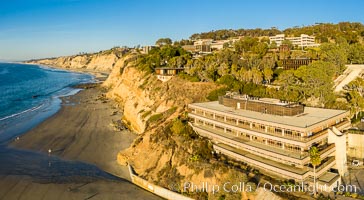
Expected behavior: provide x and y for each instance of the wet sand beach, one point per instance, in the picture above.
(80, 131)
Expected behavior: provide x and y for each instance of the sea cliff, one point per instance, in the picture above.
(151, 109)
(102, 61)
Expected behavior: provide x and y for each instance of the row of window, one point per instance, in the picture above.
(250, 125)
(270, 142)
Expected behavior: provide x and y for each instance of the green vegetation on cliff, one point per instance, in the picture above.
(352, 32)
(251, 63)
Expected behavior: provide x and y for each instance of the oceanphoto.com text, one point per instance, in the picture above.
(238, 187)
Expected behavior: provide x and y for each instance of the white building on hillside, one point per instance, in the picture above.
(278, 39)
(301, 41)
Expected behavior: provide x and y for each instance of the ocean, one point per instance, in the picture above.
(30, 93)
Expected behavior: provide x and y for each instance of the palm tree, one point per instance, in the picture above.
(315, 161)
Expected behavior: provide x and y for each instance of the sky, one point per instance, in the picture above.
(47, 28)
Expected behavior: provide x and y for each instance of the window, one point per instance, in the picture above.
(209, 124)
(271, 129)
(296, 148)
(288, 132)
(296, 134)
(209, 114)
(231, 120)
(219, 117)
(219, 127)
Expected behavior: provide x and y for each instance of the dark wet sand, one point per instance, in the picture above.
(80, 131)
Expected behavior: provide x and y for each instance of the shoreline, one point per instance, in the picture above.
(99, 76)
(79, 131)
(83, 115)
(19, 122)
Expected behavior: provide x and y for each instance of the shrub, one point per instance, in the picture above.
(214, 95)
(195, 158)
(354, 195)
(188, 77)
(170, 111)
(178, 127)
(155, 118)
(146, 114)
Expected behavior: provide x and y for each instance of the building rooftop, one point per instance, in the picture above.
(328, 177)
(262, 100)
(309, 117)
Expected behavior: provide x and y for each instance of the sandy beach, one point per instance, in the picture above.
(80, 131)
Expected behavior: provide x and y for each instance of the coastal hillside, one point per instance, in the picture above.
(143, 96)
(167, 152)
(102, 61)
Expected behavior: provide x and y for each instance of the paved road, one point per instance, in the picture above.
(352, 72)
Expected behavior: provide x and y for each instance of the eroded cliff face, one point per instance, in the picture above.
(143, 96)
(99, 62)
(150, 107)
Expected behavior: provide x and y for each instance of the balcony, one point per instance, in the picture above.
(324, 166)
(277, 168)
(258, 148)
(326, 148)
(342, 125)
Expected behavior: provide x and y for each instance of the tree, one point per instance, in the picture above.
(314, 80)
(289, 82)
(245, 75)
(257, 76)
(261, 49)
(179, 61)
(334, 54)
(268, 74)
(356, 54)
(315, 161)
(287, 42)
(356, 102)
(163, 41)
(273, 45)
(234, 70)
(223, 69)
(355, 96)
(245, 45)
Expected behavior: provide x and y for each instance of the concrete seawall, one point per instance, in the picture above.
(155, 189)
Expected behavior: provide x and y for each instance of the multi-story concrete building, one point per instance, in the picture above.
(301, 41)
(203, 45)
(278, 39)
(273, 135)
(146, 49)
